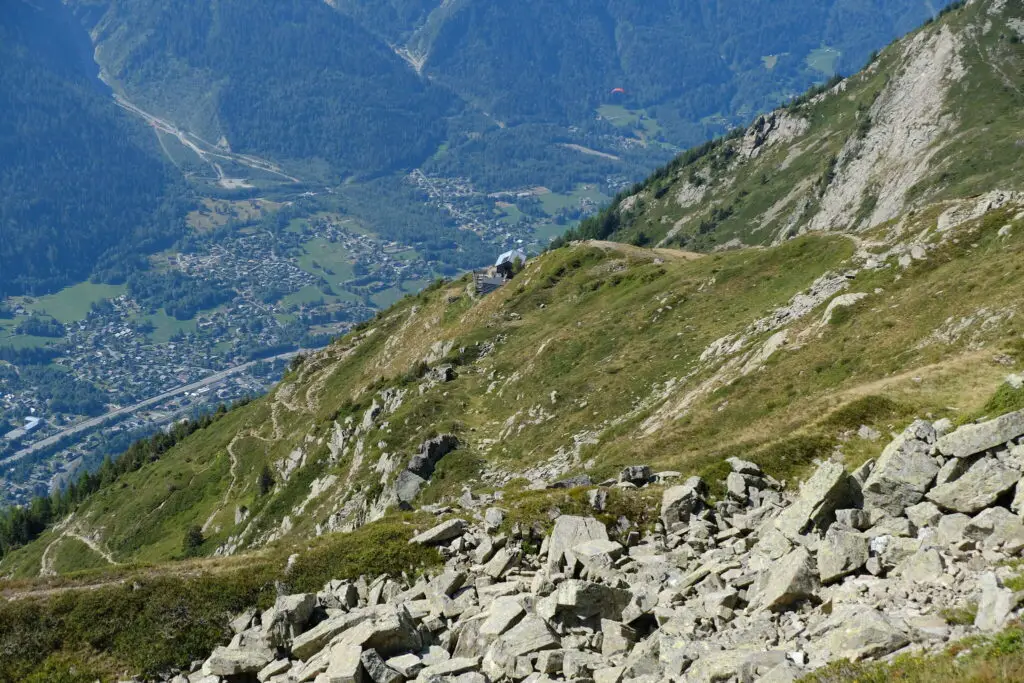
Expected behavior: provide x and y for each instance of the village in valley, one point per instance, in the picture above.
(279, 294)
(116, 364)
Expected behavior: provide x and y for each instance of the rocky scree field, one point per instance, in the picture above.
(904, 555)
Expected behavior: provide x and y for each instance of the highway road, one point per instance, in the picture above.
(127, 410)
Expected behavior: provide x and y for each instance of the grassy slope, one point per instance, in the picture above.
(148, 619)
(603, 327)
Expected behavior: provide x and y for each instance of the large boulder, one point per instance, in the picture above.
(449, 669)
(995, 605)
(409, 665)
(978, 488)
(585, 599)
(904, 471)
(408, 485)
(501, 563)
(315, 639)
(237, 661)
(597, 553)
(976, 438)
(843, 552)
(289, 617)
(724, 665)
(830, 488)
(390, 631)
(679, 502)
(504, 613)
(344, 664)
(446, 583)
(924, 566)
(442, 533)
(569, 532)
(949, 531)
(787, 582)
(858, 632)
(997, 526)
(377, 670)
(616, 638)
(530, 635)
(636, 474)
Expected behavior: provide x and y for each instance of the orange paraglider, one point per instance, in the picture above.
(618, 91)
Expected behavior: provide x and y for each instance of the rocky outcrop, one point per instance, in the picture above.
(761, 585)
(421, 466)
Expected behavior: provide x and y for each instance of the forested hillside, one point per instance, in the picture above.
(78, 179)
(683, 61)
(360, 87)
(292, 79)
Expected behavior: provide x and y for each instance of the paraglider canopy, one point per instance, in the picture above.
(618, 91)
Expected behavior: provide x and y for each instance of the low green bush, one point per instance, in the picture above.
(377, 548)
(147, 625)
(866, 410)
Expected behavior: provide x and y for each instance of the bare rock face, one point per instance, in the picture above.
(430, 453)
(904, 471)
(979, 487)
(978, 438)
(421, 466)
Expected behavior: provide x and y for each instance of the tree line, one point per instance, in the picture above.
(20, 525)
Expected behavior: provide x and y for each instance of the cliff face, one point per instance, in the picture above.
(936, 116)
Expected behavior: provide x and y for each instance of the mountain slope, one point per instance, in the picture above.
(687, 61)
(292, 80)
(370, 87)
(676, 363)
(78, 179)
(936, 116)
(599, 355)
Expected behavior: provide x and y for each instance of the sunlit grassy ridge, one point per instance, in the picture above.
(599, 345)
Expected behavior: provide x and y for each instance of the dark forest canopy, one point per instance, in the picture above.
(79, 181)
(288, 79)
